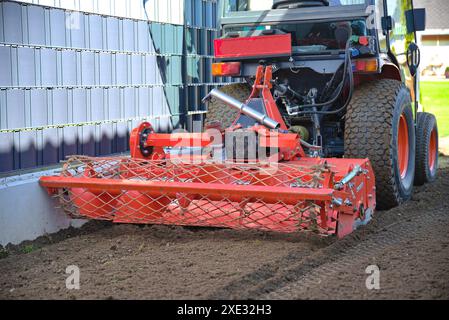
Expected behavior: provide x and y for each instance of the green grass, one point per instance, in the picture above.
(435, 99)
(28, 249)
(3, 252)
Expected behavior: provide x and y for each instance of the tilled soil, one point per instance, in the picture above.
(409, 244)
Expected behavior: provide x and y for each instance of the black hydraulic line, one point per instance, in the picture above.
(331, 81)
(347, 61)
(351, 92)
(348, 67)
(284, 89)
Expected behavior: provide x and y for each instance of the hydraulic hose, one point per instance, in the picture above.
(347, 61)
(351, 92)
(348, 68)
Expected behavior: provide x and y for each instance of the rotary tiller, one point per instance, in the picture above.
(253, 175)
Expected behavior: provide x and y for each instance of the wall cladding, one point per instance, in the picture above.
(158, 10)
(78, 82)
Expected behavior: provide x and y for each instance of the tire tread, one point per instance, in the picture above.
(425, 123)
(368, 134)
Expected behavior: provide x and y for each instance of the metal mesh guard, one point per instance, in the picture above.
(238, 196)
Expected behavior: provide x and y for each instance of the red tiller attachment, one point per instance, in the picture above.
(328, 196)
(286, 192)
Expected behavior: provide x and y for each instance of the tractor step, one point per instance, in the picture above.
(324, 196)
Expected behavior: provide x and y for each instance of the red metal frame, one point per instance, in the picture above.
(163, 192)
(247, 47)
(151, 187)
(262, 86)
(235, 192)
(288, 143)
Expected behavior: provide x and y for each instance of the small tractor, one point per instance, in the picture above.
(319, 126)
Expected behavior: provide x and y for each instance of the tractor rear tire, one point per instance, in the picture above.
(218, 111)
(426, 149)
(379, 125)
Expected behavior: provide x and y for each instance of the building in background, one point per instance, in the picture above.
(434, 42)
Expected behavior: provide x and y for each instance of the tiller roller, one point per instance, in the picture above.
(253, 175)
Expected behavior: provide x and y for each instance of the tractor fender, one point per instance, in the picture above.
(390, 71)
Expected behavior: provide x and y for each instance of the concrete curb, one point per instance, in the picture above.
(26, 210)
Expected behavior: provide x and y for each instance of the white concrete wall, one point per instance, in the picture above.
(27, 211)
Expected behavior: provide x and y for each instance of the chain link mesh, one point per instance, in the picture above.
(194, 208)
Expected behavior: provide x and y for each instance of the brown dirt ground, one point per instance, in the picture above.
(410, 244)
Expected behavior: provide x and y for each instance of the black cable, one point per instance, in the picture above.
(351, 92)
(347, 61)
(331, 81)
(348, 68)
